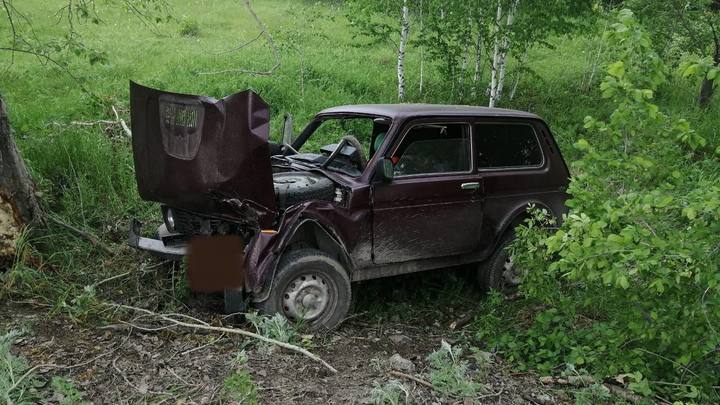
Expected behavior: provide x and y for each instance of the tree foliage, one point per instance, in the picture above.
(630, 281)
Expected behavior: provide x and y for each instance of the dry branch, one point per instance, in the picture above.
(411, 377)
(122, 122)
(268, 37)
(200, 325)
(116, 121)
(79, 232)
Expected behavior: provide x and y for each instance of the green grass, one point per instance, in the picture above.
(86, 175)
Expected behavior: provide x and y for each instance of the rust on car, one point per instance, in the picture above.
(404, 188)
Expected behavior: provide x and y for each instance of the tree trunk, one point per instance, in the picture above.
(478, 56)
(18, 206)
(518, 76)
(496, 58)
(502, 46)
(401, 51)
(422, 50)
(707, 88)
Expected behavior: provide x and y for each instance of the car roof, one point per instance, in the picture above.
(421, 110)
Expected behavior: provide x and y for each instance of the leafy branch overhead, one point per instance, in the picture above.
(58, 50)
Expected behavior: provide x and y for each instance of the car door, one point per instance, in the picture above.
(433, 205)
(510, 160)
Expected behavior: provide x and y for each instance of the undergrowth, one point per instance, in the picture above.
(628, 284)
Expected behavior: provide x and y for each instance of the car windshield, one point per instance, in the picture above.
(369, 131)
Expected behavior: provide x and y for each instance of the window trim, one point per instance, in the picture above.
(513, 168)
(467, 124)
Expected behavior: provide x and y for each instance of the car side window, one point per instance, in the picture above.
(433, 148)
(507, 145)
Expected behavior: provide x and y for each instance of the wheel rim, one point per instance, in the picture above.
(512, 276)
(307, 297)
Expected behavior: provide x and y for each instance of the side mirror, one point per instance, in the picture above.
(384, 170)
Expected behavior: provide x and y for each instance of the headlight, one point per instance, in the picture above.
(169, 220)
(339, 196)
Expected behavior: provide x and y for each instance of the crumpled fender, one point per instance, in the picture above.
(263, 252)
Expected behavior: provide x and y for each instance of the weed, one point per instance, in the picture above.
(449, 375)
(239, 387)
(16, 379)
(240, 359)
(594, 394)
(190, 28)
(66, 391)
(392, 393)
(276, 327)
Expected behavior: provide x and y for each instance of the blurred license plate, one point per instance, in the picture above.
(215, 263)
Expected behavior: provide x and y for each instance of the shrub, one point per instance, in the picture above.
(629, 283)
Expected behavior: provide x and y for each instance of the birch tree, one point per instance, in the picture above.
(375, 20)
(404, 32)
(503, 25)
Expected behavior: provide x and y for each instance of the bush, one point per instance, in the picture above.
(629, 283)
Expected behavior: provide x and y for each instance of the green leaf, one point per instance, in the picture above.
(617, 69)
(712, 74)
(582, 144)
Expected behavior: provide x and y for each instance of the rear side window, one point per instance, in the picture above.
(433, 148)
(507, 145)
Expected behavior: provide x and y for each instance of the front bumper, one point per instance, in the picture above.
(166, 246)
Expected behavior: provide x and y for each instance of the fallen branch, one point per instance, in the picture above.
(268, 37)
(85, 235)
(462, 321)
(586, 380)
(623, 393)
(116, 121)
(412, 378)
(203, 326)
(574, 380)
(122, 123)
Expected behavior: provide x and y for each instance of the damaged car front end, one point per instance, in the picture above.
(209, 164)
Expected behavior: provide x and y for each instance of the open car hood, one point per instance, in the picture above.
(201, 154)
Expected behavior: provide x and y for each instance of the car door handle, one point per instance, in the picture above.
(470, 186)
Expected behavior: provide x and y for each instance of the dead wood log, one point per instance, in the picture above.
(18, 205)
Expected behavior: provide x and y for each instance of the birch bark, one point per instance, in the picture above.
(502, 46)
(404, 31)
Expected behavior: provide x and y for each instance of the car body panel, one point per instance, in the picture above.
(193, 152)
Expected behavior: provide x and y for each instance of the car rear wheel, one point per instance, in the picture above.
(310, 287)
(499, 272)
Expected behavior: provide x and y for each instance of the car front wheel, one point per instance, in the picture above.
(310, 287)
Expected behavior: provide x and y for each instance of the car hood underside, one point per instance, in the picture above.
(202, 154)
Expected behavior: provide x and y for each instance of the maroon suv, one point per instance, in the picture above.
(405, 188)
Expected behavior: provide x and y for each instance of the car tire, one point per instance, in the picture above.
(497, 272)
(294, 187)
(310, 287)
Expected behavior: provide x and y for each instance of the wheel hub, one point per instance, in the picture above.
(511, 274)
(306, 297)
